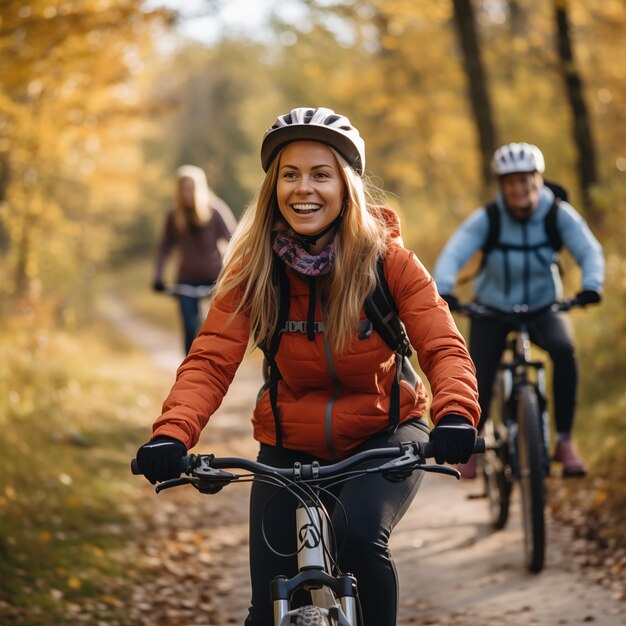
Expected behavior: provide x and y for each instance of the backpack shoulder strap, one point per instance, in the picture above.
(491, 241)
(493, 234)
(280, 282)
(552, 230)
(381, 310)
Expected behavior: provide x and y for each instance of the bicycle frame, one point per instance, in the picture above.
(518, 432)
(518, 446)
(336, 594)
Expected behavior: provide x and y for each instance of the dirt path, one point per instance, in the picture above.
(454, 570)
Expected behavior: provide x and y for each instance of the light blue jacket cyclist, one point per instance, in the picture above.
(520, 273)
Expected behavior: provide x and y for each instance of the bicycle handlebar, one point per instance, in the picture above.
(207, 467)
(193, 291)
(477, 310)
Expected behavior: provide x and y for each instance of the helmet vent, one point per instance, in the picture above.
(518, 157)
(315, 124)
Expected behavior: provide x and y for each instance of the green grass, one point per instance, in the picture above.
(73, 409)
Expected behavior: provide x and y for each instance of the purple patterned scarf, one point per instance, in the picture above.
(293, 253)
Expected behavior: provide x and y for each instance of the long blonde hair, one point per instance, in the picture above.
(361, 238)
(200, 213)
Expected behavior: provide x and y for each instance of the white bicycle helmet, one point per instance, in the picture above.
(518, 157)
(319, 124)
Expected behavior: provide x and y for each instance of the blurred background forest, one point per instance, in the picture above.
(100, 100)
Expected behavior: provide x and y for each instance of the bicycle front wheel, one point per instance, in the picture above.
(310, 616)
(531, 474)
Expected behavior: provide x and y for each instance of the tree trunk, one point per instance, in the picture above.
(517, 19)
(465, 23)
(581, 127)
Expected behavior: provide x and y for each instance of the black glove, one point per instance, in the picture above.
(452, 300)
(588, 296)
(159, 459)
(453, 439)
(158, 285)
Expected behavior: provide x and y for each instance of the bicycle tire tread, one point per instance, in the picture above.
(497, 480)
(311, 616)
(531, 478)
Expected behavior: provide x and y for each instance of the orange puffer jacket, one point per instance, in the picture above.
(329, 403)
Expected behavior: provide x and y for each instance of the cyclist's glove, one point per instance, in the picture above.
(453, 439)
(588, 296)
(452, 300)
(159, 459)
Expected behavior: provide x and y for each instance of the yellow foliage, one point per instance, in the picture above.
(74, 582)
(61, 103)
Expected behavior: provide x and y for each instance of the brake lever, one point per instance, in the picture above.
(403, 470)
(408, 459)
(442, 469)
(175, 482)
(210, 480)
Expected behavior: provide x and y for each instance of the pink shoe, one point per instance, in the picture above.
(567, 454)
(469, 469)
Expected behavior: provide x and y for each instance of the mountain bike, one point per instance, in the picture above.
(517, 433)
(334, 594)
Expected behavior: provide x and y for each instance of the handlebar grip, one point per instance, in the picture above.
(479, 446)
(185, 464)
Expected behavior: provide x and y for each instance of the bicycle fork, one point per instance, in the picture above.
(313, 573)
(522, 371)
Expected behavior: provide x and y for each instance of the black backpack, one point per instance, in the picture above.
(382, 316)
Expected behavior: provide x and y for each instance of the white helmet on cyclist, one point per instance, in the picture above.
(319, 124)
(518, 157)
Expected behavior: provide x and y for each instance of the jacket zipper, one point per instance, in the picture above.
(328, 416)
(526, 262)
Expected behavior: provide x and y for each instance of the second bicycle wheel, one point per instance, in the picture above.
(497, 474)
(531, 474)
(496, 461)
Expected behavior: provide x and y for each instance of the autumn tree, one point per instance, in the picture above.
(476, 81)
(581, 120)
(216, 97)
(64, 72)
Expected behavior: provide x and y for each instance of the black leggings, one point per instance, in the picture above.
(550, 331)
(373, 507)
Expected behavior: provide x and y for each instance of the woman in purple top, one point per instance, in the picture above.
(198, 227)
